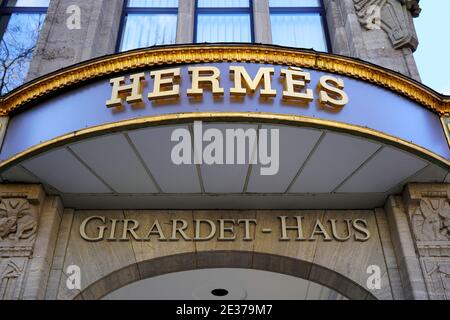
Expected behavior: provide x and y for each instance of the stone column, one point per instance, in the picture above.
(186, 20)
(403, 243)
(428, 210)
(261, 21)
(59, 46)
(29, 222)
(381, 32)
(420, 227)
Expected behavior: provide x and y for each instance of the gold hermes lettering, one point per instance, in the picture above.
(205, 75)
(331, 93)
(264, 75)
(296, 80)
(165, 86)
(132, 92)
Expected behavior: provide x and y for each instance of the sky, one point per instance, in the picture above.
(433, 54)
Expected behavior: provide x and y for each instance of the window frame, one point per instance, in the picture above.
(225, 10)
(299, 10)
(141, 10)
(8, 11)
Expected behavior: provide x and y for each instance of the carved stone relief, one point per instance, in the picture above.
(11, 277)
(19, 210)
(429, 217)
(437, 274)
(16, 220)
(18, 226)
(431, 221)
(392, 16)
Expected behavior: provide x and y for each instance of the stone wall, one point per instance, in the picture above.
(59, 47)
(29, 222)
(409, 241)
(100, 261)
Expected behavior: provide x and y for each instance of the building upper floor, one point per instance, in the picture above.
(41, 36)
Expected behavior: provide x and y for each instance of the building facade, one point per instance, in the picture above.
(116, 176)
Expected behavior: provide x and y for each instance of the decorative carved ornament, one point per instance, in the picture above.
(437, 274)
(16, 220)
(431, 220)
(18, 227)
(11, 271)
(392, 16)
(11, 278)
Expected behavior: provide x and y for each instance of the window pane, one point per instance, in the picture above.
(299, 30)
(16, 47)
(223, 3)
(153, 3)
(144, 30)
(28, 3)
(294, 3)
(223, 28)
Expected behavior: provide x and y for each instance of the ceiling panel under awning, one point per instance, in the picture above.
(133, 169)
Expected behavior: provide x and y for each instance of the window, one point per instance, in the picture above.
(224, 21)
(20, 23)
(148, 23)
(299, 23)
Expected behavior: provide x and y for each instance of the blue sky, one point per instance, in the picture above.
(433, 54)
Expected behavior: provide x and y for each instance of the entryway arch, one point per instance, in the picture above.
(224, 259)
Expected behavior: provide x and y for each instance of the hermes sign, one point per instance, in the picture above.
(166, 85)
(100, 228)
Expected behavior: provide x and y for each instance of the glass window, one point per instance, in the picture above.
(148, 23)
(294, 3)
(223, 21)
(20, 23)
(223, 4)
(299, 23)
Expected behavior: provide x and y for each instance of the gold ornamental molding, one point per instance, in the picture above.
(186, 54)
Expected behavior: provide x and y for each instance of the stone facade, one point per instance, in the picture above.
(28, 224)
(386, 38)
(351, 24)
(410, 240)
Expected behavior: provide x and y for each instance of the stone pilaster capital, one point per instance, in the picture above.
(19, 213)
(428, 210)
